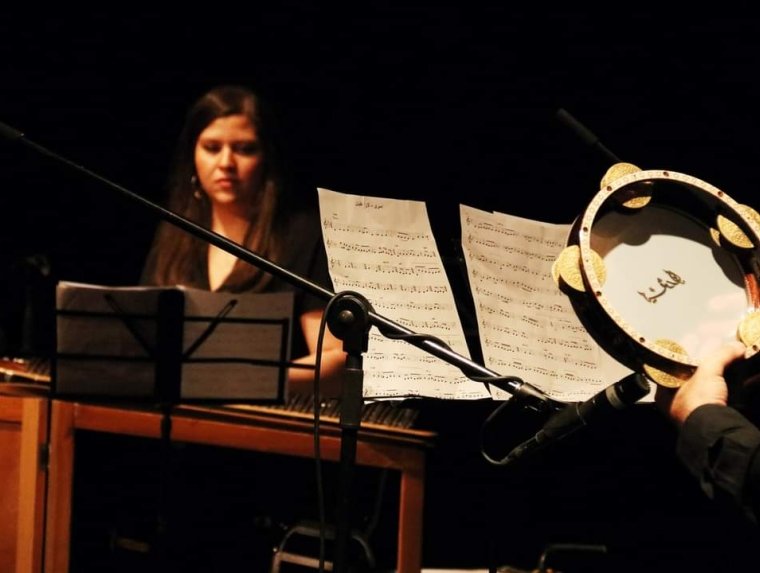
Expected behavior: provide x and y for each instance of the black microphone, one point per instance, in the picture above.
(586, 134)
(618, 396)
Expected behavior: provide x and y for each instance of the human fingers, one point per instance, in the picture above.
(714, 364)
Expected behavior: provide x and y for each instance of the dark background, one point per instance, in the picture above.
(445, 104)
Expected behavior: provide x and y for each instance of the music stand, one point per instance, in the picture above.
(169, 345)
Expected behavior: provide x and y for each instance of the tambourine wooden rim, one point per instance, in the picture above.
(666, 365)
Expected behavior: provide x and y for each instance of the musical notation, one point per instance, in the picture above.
(526, 325)
(385, 249)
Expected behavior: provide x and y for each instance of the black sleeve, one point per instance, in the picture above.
(719, 446)
(306, 256)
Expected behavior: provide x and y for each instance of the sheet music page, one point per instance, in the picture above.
(384, 249)
(527, 326)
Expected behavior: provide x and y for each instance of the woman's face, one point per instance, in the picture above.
(229, 161)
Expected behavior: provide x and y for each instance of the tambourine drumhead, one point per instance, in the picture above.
(666, 292)
(669, 279)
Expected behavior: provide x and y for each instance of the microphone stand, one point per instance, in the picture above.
(350, 321)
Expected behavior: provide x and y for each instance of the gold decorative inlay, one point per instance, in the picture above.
(635, 197)
(749, 328)
(731, 230)
(715, 235)
(631, 196)
(617, 171)
(751, 214)
(567, 268)
(660, 376)
(555, 270)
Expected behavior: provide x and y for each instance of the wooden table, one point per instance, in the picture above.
(245, 428)
(23, 438)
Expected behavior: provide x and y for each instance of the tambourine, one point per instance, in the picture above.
(661, 268)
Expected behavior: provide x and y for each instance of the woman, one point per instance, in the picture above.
(228, 177)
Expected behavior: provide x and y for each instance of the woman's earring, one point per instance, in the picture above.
(196, 189)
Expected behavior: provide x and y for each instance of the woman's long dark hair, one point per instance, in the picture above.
(177, 257)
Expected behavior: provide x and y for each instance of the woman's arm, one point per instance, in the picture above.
(301, 380)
